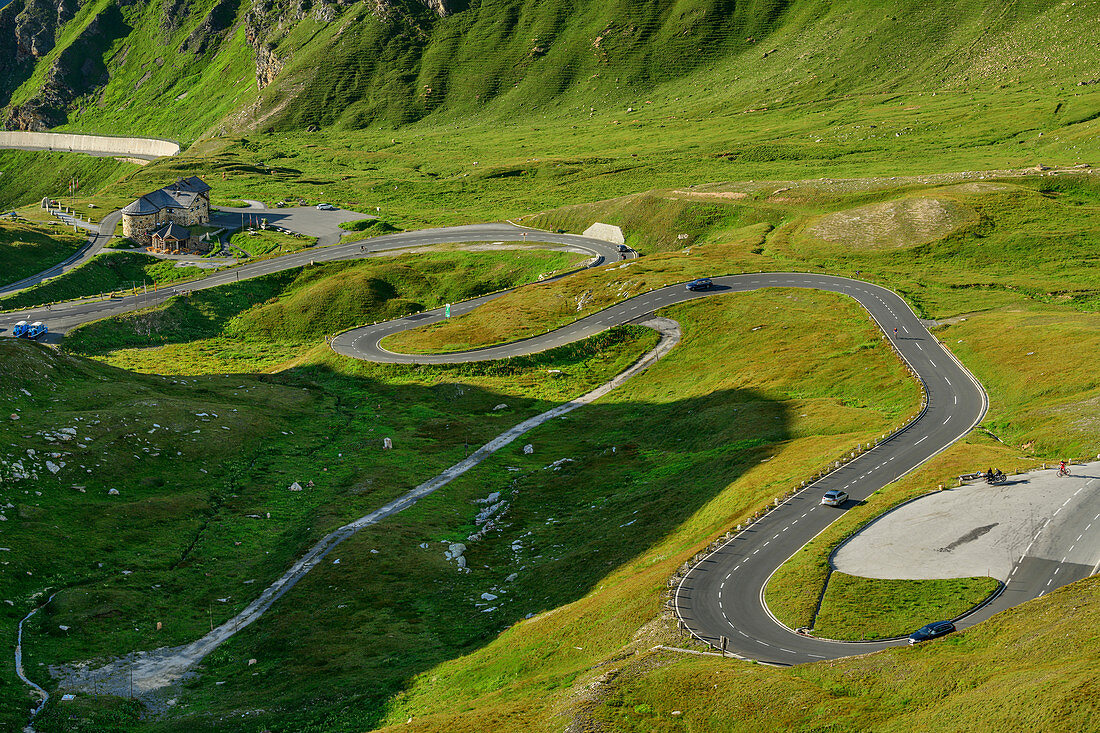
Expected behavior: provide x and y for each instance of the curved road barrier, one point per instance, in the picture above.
(145, 148)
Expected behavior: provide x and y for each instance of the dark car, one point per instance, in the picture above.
(703, 283)
(931, 631)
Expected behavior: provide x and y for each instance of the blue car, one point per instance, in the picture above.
(931, 631)
(703, 283)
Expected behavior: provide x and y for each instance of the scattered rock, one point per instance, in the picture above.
(528, 449)
(488, 597)
(295, 486)
(112, 492)
(501, 406)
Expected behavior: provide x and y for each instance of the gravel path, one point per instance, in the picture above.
(151, 671)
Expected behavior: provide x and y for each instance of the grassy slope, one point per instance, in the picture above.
(27, 248)
(1029, 668)
(580, 529)
(259, 323)
(27, 177)
(105, 273)
(156, 88)
(180, 523)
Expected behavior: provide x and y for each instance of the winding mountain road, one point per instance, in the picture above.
(721, 599)
(63, 317)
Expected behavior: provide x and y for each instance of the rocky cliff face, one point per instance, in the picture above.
(28, 31)
(268, 65)
(37, 24)
(212, 30)
(76, 71)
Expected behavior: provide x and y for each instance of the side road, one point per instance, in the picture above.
(95, 244)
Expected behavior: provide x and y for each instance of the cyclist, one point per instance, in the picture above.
(1063, 470)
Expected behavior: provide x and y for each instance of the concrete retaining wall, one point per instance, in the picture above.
(134, 147)
(606, 232)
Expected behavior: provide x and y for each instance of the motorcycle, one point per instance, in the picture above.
(995, 478)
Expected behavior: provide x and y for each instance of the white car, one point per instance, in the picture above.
(834, 498)
(326, 207)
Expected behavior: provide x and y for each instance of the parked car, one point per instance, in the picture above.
(834, 497)
(703, 283)
(36, 330)
(931, 631)
(326, 207)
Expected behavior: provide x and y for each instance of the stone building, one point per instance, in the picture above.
(185, 203)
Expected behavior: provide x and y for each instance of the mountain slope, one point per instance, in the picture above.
(176, 68)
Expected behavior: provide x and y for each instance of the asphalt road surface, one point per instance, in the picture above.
(722, 596)
(721, 599)
(63, 317)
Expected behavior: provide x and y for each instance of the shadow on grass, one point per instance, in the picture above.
(603, 486)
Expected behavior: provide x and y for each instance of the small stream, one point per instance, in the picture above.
(42, 694)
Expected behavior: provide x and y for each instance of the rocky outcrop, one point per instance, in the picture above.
(78, 70)
(37, 24)
(268, 65)
(172, 15)
(211, 31)
(442, 7)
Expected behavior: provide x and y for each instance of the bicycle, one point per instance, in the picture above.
(1062, 471)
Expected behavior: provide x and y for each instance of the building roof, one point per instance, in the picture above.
(173, 231)
(179, 195)
(192, 183)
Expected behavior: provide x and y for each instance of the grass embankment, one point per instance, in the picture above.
(259, 242)
(855, 608)
(30, 176)
(26, 249)
(204, 518)
(588, 533)
(257, 324)
(105, 273)
(539, 307)
(1028, 668)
